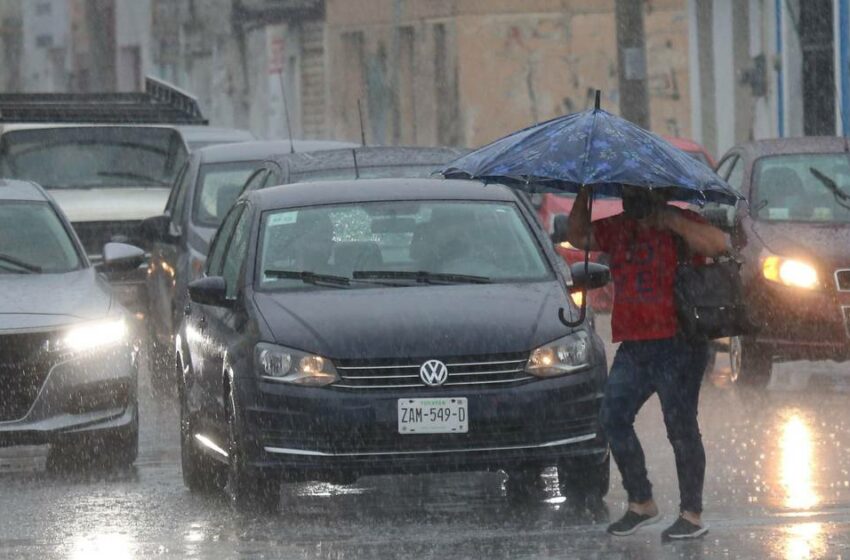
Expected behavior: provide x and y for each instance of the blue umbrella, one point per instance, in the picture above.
(597, 149)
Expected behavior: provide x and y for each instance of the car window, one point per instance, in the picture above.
(222, 238)
(172, 196)
(182, 188)
(736, 174)
(234, 256)
(802, 187)
(471, 238)
(726, 165)
(96, 156)
(32, 234)
(218, 187)
(257, 180)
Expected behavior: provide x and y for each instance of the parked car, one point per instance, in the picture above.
(549, 206)
(201, 136)
(67, 369)
(795, 242)
(178, 237)
(350, 328)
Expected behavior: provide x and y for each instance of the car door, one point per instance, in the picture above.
(162, 270)
(224, 326)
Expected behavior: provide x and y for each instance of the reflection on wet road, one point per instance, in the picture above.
(778, 486)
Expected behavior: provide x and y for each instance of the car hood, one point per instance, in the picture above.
(113, 204)
(828, 243)
(46, 300)
(416, 322)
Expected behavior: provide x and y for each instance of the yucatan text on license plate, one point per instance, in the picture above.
(433, 416)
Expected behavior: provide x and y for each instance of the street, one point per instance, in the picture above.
(778, 486)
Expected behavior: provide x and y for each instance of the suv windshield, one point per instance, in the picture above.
(800, 187)
(483, 240)
(219, 185)
(33, 239)
(94, 156)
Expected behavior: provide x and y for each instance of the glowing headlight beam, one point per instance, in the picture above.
(95, 335)
(790, 272)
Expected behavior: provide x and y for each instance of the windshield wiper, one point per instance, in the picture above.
(27, 267)
(841, 197)
(422, 277)
(309, 277)
(131, 176)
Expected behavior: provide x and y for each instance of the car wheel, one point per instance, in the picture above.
(249, 488)
(116, 450)
(524, 483)
(581, 481)
(750, 365)
(201, 473)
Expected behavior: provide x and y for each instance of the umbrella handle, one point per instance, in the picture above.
(582, 313)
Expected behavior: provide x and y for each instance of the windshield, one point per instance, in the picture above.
(33, 239)
(87, 157)
(475, 239)
(219, 185)
(787, 188)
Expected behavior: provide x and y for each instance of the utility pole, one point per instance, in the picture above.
(631, 60)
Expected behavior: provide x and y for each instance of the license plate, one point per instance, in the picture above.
(433, 416)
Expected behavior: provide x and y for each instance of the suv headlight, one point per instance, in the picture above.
(790, 272)
(570, 354)
(285, 365)
(95, 335)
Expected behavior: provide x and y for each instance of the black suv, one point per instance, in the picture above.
(386, 326)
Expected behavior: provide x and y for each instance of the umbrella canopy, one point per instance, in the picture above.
(597, 149)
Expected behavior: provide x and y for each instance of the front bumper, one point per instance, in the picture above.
(91, 393)
(799, 324)
(326, 433)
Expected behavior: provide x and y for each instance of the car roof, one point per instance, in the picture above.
(800, 145)
(13, 189)
(372, 190)
(41, 126)
(264, 149)
(199, 133)
(372, 156)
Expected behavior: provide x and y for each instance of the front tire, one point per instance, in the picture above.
(201, 473)
(751, 366)
(249, 488)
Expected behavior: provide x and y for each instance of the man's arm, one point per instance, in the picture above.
(702, 238)
(580, 228)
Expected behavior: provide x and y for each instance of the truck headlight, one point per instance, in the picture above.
(285, 365)
(91, 336)
(570, 354)
(790, 272)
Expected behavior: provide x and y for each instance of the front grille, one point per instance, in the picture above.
(467, 371)
(25, 361)
(842, 280)
(94, 235)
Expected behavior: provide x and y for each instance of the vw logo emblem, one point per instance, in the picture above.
(433, 373)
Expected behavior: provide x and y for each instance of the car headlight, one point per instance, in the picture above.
(277, 363)
(790, 272)
(91, 336)
(570, 354)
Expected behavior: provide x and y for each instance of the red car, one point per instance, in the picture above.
(550, 205)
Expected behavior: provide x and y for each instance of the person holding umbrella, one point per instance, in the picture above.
(595, 151)
(654, 356)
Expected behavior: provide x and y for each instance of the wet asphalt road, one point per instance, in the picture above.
(778, 486)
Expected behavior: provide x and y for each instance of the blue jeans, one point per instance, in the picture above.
(673, 368)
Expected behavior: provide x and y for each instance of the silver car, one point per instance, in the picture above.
(67, 369)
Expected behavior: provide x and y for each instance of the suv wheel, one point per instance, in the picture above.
(751, 366)
(249, 488)
(580, 481)
(201, 473)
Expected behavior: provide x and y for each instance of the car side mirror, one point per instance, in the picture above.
(156, 229)
(722, 217)
(121, 257)
(598, 276)
(210, 290)
(559, 228)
